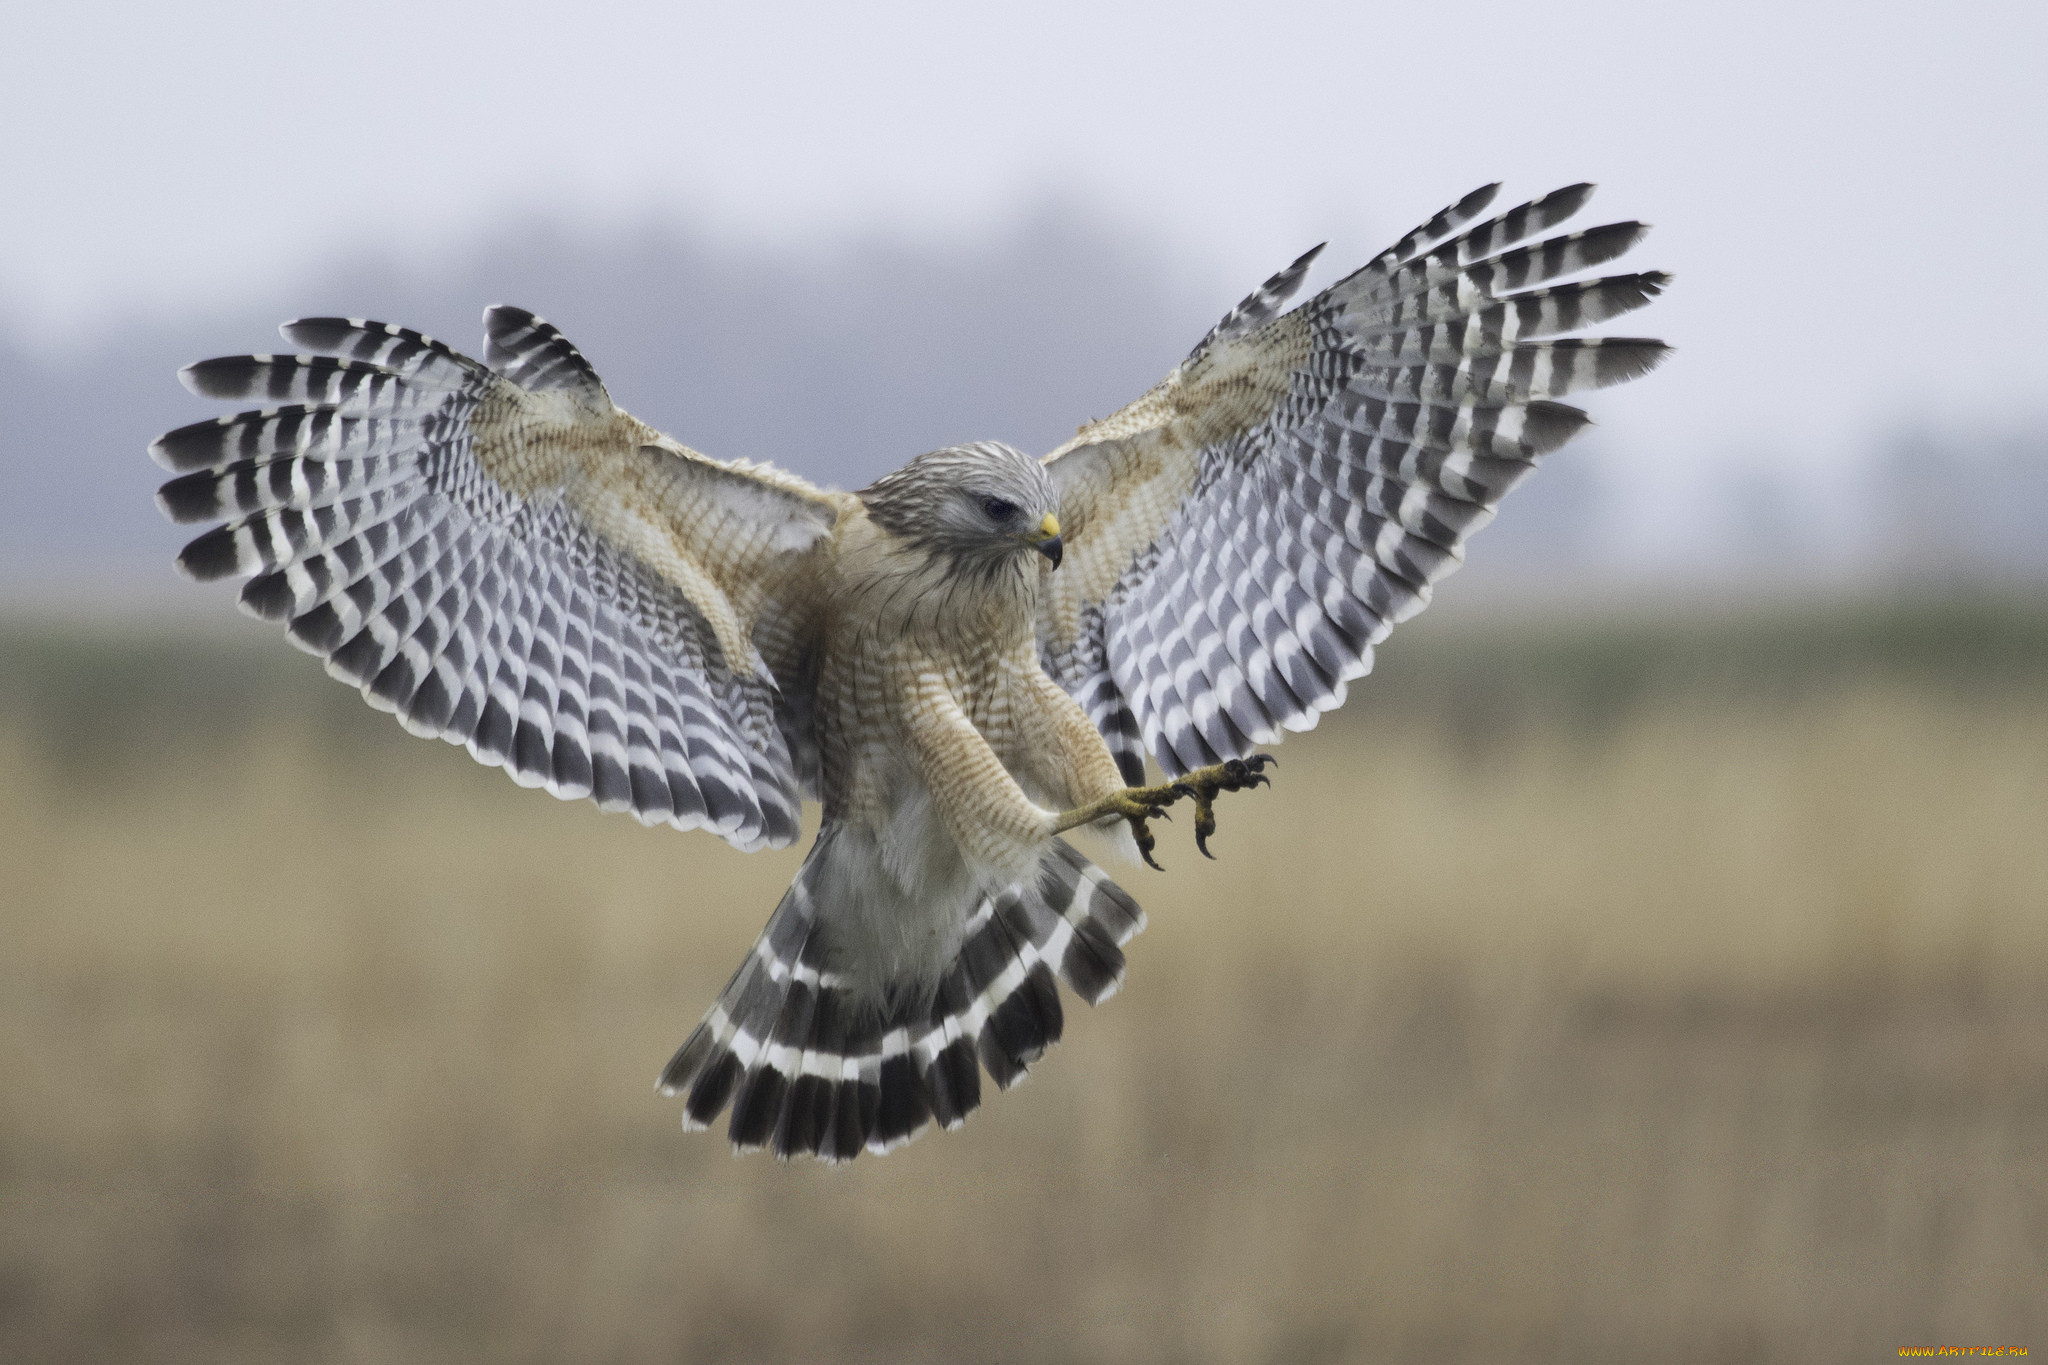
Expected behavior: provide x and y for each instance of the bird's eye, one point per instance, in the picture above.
(998, 509)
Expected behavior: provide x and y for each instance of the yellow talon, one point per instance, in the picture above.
(1140, 804)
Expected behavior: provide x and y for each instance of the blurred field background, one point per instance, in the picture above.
(1649, 963)
(1641, 987)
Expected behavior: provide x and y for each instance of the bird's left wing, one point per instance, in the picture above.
(1239, 539)
(505, 559)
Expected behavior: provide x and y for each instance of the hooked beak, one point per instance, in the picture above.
(1047, 541)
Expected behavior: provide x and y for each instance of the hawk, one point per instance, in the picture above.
(962, 661)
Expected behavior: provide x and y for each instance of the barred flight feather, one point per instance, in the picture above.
(1534, 313)
(317, 434)
(1262, 304)
(531, 353)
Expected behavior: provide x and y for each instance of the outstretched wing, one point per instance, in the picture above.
(507, 560)
(1239, 539)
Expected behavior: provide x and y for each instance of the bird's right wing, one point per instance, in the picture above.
(1240, 538)
(507, 560)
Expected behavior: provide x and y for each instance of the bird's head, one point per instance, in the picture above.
(985, 503)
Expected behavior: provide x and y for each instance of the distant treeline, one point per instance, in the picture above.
(97, 693)
(841, 363)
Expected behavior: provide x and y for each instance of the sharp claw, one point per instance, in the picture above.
(1205, 822)
(1145, 844)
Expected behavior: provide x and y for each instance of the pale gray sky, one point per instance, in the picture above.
(1850, 194)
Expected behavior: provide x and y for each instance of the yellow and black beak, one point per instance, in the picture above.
(1047, 540)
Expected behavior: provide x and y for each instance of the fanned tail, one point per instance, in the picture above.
(813, 1065)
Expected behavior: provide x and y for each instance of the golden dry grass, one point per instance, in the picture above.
(1706, 1027)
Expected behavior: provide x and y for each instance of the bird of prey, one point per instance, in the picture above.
(961, 661)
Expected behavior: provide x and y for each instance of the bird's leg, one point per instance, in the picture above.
(1139, 804)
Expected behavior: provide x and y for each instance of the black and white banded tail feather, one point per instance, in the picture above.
(357, 507)
(812, 1066)
(1401, 405)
